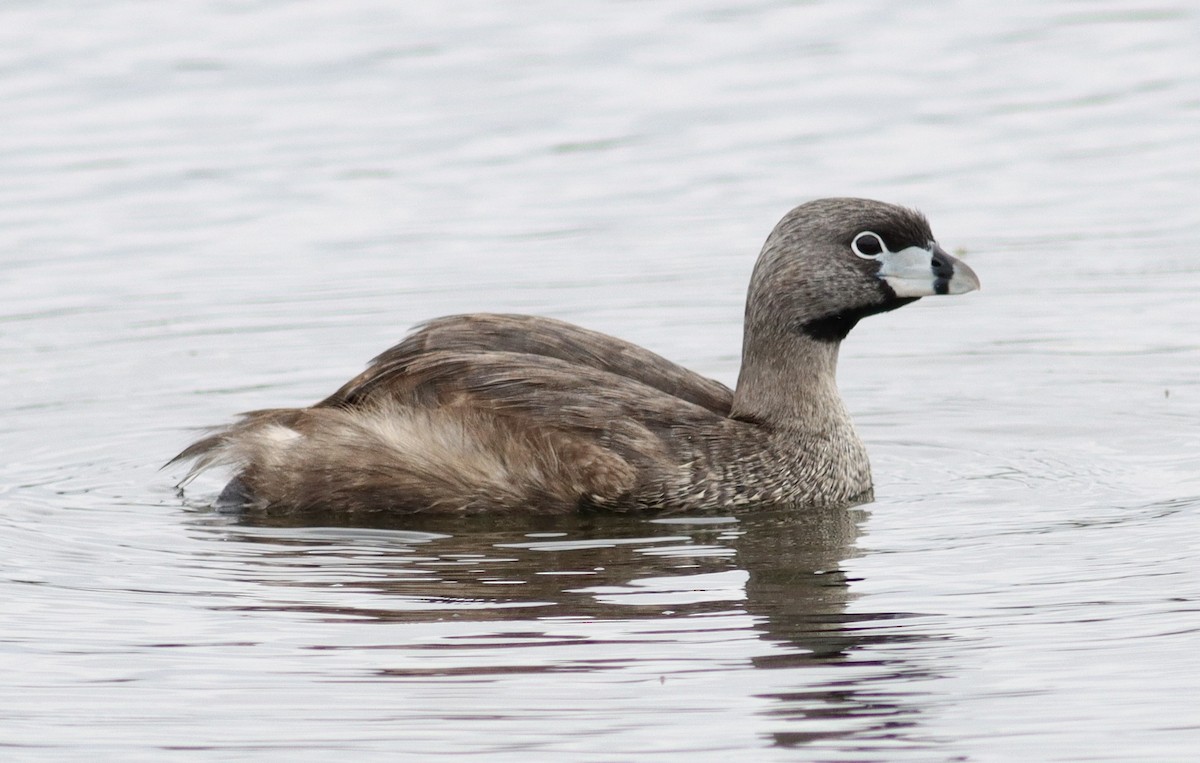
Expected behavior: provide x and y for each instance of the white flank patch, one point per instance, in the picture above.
(279, 435)
(439, 441)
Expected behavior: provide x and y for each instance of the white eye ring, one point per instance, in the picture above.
(864, 241)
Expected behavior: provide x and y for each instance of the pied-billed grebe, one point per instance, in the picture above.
(481, 413)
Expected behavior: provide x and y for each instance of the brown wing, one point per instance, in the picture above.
(558, 418)
(471, 431)
(532, 336)
(542, 391)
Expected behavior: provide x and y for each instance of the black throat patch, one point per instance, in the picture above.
(834, 328)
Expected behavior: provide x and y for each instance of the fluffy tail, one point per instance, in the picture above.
(409, 459)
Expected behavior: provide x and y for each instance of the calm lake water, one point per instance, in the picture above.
(210, 206)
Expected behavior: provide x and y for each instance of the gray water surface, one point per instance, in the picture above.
(210, 207)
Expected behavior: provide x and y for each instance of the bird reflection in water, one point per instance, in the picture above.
(774, 577)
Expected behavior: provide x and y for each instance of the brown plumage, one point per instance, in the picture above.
(485, 412)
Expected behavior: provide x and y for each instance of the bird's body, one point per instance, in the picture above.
(484, 412)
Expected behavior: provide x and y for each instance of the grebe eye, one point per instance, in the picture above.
(868, 245)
